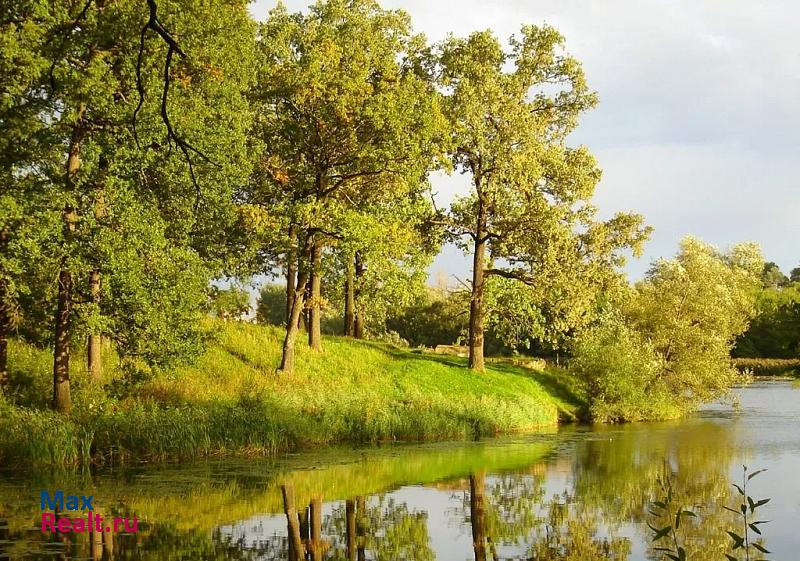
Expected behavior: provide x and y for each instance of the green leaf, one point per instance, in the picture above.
(752, 475)
(738, 541)
(760, 547)
(662, 533)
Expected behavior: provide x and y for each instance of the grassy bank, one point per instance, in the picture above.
(233, 401)
(769, 366)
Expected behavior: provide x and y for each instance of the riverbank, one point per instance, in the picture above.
(232, 401)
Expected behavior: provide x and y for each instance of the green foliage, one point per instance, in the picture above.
(352, 124)
(150, 204)
(671, 536)
(747, 543)
(772, 276)
(271, 307)
(438, 318)
(666, 349)
(775, 331)
(229, 303)
(621, 369)
(672, 520)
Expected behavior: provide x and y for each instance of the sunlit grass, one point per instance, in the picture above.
(233, 400)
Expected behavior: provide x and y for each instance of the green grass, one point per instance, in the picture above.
(233, 401)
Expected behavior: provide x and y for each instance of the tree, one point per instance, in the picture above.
(775, 331)
(772, 276)
(349, 117)
(230, 303)
(435, 318)
(664, 348)
(143, 212)
(527, 218)
(382, 259)
(271, 307)
(794, 276)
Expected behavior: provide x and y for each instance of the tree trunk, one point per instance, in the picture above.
(291, 271)
(349, 299)
(361, 528)
(298, 303)
(360, 269)
(305, 527)
(315, 327)
(62, 401)
(108, 546)
(94, 346)
(5, 331)
(5, 319)
(3, 352)
(477, 513)
(316, 529)
(302, 284)
(350, 518)
(96, 541)
(478, 286)
(296, 549)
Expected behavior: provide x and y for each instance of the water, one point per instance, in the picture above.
(580, 493)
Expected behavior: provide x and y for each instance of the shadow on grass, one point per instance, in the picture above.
(243, 358)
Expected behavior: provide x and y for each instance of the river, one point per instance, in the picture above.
(576, 493)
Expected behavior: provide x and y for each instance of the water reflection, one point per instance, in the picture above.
(580, 494)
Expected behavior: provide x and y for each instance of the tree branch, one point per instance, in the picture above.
(187, 149)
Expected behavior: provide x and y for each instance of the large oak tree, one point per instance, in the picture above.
(527, 218)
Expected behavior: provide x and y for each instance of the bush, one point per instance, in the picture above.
(665, 350)
(621, 370)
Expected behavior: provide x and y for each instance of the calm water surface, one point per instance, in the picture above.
(577, 494)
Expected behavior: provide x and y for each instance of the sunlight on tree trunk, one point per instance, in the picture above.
(478, 289)
(349, 299)
(62, 401)
(291, 271)
(315, 308)
(5, 318)
(360, 269)
(298, 305)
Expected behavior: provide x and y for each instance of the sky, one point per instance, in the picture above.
(698, 126)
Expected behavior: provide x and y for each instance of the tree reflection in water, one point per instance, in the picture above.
(588, 503)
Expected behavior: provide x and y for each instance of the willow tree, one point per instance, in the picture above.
(348, 113)
(510, 114)
(141, 139)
